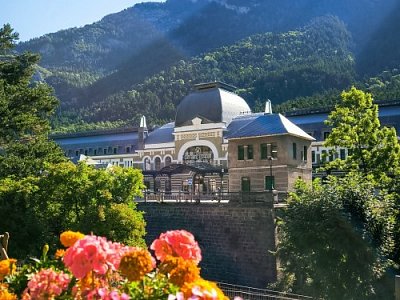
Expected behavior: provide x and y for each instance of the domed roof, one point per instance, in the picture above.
(212, 103)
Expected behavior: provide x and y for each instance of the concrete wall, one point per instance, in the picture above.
(235, 240)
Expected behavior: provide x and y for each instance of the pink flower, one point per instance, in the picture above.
(93, 253)
(105, 294)
(177, 243)
(46, 284)
(198, 293)
(178, 296)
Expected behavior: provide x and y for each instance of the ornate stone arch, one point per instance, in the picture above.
(167, 160)
(157, 160)
(189, 144)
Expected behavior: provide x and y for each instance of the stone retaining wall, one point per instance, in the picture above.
(235, 240)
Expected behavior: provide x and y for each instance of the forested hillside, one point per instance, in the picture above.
(383, 87)
(276, 66)
(146, 58)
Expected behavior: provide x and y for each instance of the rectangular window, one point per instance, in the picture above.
(104, 151)
(264, 151)
(250, 152)
(274, 150)
(305, 153)
(76, 153)
(294, 146)
(331, 156)
(313, 156)
(268, 150)
(349, 152)
(240, 152)
(245, 184)
(269, 183)
(128, 149)
(115, 150)
(342, 154)
(86, 152)
(95, 151)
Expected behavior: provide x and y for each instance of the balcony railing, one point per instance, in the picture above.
(266, 197)
(250, 293)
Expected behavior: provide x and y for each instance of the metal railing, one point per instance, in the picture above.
(250, 293)
(216, 197)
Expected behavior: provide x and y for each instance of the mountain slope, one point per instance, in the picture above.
(277, 66)
(102, 46)
(207, 24)
(109, 58)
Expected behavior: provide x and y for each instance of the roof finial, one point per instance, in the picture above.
(268, 107)
(143, 122)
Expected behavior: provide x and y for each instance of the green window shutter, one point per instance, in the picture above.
(245, 184)
(263, 151)
(342, 154)
(250, 152)
(269, 183)
(240, 152)
(294, 151)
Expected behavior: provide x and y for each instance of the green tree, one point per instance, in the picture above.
(36, 209)
(333, 238)
(25, 109)
(355, 125)
(41, 194)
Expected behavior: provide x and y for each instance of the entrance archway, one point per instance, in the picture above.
(204, 145)
(198, 154)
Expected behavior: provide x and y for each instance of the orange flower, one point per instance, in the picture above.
(59, 253)
(5, 294)
(7, 267)
(136, 264)
(180, 271)
(203, 290)
(68, 238)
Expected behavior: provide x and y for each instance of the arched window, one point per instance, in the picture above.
(157, 163)
(168, 161)
(146, 164)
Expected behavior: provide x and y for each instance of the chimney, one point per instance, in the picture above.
(268, 107)
(142, 133)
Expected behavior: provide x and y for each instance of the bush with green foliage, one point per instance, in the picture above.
(36, 209)
(335, 240)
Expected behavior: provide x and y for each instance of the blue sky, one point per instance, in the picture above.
(33, 18)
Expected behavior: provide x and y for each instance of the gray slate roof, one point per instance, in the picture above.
(162, 134)
(254, 125)
(99, 140)
(212, 105)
